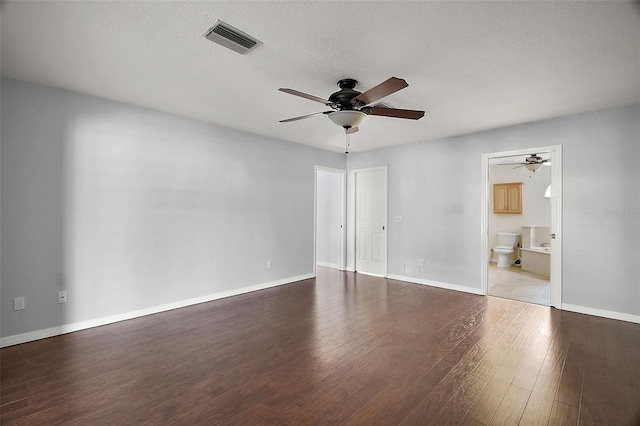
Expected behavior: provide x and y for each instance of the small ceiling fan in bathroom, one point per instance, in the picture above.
(532, 163)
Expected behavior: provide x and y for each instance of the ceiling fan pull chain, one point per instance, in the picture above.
(347, 142)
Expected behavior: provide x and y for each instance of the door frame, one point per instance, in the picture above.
(555, 299)
(355, 217)
(343, 214)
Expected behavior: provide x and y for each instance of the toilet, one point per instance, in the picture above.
(506, 243)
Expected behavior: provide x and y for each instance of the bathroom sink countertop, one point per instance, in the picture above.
(539, 249)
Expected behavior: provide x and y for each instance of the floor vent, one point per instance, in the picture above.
(231, 38)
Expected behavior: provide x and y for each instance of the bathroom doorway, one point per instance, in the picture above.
(521, 235)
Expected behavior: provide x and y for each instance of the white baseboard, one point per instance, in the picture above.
(438, 284)
(565, 306)
(601, 313)
(328, 265)
(68, 328)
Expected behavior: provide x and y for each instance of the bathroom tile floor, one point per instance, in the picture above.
(516, 284)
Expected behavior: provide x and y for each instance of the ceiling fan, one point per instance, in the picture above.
(350, 108)
(532, 163)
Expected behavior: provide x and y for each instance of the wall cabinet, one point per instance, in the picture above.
(507, 198)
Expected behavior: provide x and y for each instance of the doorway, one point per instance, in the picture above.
(523, 275)
(330, 218)
(371, 220)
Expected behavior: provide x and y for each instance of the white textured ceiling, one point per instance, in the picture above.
(471, 65)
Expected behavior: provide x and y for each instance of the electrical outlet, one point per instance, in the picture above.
(18, 303)
(268, 264)
(62, 296)
(421, 262)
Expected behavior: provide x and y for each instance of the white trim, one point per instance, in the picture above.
(370, 169)
(621, 316)
(601, 313)
(82, 325)
(447, 286)
(343, 215)
(484, 225)
(328, 265)
(556, 217)
(556, 226)
(343, 218)
(371, 274)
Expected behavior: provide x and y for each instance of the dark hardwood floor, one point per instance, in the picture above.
(341, 349)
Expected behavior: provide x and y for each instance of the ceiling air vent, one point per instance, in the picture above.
(232, 38)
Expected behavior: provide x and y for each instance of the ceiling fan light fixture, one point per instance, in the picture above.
(532, 167)
(347, 118)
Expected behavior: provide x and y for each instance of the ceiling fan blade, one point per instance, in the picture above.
(383, 89)
(302, 117)
(518, 167)
(304, 95)
(395, 112)
(351, 130)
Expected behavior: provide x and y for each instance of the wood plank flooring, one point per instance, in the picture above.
(343, 348)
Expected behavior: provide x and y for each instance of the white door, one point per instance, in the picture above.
(371, 221)
(330, 217)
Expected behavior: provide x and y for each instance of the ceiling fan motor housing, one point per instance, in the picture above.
(343, 96)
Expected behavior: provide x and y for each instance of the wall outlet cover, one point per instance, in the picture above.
(62, 296)
(18, 303)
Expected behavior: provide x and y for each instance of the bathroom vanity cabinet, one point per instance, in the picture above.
(507, 198)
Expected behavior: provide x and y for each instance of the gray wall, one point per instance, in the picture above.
(328, 219)
(128, 208)
(436, 186)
